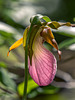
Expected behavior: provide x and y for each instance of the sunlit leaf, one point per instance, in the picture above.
(31, 85)
(47, 19)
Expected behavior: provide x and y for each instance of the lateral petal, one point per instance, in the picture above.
(15, 45)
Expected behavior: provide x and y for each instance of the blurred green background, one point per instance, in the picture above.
(14, 17)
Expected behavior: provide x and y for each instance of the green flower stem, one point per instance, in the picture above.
(26, 66)
(26, 74)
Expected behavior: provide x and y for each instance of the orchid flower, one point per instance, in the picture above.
(42, 64)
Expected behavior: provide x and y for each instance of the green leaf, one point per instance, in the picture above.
(47, 19)
(31, 85)
(6, 80)
(66, 43)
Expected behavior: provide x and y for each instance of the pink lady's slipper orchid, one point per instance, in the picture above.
(42, 63)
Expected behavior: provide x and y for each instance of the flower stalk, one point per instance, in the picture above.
(26, 66)
(26, 74)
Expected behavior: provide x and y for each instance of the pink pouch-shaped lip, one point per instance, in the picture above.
(44, 65)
